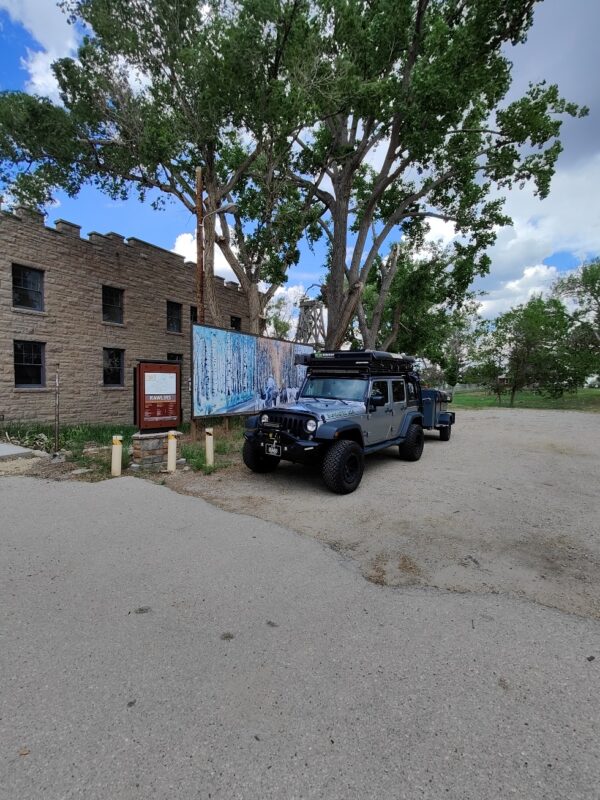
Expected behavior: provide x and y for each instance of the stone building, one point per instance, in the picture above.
(91, 308)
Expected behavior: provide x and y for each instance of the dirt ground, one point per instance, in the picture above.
(510, 505)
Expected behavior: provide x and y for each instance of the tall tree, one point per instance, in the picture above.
(583, 287)
(409, 301)
(160, 87)
(413, 126)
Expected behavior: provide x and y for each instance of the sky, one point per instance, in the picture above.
(547, 238)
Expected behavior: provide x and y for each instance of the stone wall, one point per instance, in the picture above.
(71, 324)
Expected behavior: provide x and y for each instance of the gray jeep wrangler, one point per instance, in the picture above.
(351, 403)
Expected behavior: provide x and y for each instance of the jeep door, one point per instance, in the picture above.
(398, 405)
(379, 423)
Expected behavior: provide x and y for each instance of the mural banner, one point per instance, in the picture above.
(238, 373)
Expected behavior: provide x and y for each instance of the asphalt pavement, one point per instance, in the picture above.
(154, 646)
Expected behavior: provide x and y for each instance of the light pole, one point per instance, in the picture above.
(200, 217)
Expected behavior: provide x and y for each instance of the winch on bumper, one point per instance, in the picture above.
(288, 436)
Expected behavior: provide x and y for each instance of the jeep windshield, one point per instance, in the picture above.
(335, 388)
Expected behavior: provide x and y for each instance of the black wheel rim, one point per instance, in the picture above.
(351, 469)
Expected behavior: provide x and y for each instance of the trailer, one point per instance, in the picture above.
(435, 412)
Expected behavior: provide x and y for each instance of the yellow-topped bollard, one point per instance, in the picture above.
(117, 454)
(171, 451)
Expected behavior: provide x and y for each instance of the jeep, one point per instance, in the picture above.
(351, 403)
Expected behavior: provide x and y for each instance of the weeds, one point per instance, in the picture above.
(40, 436)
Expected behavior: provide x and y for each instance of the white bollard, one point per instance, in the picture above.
(171, 451)
(210, 447)
(117, 451)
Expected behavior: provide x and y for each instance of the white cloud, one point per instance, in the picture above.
(185, 245)
(533, 281)
(44, 20)
(568, 219)
(49, 27)
(41, 79)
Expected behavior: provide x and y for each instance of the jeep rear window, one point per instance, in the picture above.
(335, 388)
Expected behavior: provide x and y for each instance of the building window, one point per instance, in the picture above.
(114, 362)
(193, 314)
(173, 317)
(176, 357)
(112, 304)
(235, 323)
(28, 288)
(29, 364)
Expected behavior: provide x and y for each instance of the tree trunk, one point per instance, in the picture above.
(339, 313)
(255, 309)
(513, 392)
(211, 304)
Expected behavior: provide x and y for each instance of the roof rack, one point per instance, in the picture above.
(358, 362)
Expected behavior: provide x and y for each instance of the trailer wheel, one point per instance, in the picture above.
(445, 433)
(343, 466)
(258, 461)
(411, 448)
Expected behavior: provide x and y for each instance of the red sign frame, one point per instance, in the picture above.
(158, 395)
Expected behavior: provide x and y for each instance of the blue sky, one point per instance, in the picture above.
(546, 238)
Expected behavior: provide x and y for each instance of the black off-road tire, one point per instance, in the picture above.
(258, 461)
(343, 466)
(411, 448)
(445, 433)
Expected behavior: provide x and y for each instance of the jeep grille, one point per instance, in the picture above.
(290, 423)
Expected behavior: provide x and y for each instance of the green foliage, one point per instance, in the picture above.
(583, 288)
(161, 88)
(426, 310)
(425, 83)
(532, 345)
(279, 321)
(283, 104)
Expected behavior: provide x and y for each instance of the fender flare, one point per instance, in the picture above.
(336, 429)
(414, 417)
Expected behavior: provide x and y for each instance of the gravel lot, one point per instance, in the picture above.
(511, 504)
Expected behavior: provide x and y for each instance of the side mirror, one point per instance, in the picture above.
(377, 400)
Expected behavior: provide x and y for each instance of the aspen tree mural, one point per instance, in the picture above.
(236, 373)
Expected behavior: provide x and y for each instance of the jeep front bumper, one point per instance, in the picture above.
(282, 444)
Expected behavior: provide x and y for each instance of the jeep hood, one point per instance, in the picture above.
(325, 410)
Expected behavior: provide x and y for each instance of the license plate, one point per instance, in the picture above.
(273, 449)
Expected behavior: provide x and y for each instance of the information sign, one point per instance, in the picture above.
(158, 395)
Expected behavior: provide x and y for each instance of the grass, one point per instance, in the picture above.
(583, 400)
(227, 443)
(75, 438)
(40, 436)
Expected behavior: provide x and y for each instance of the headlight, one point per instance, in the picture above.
(264, 418)
(311, 426)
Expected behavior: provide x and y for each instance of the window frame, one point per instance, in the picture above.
(41, 365)
(386, 383)
(40, 291)
(120, 350)
(412, 393)
(171, 306)
(120, 308)
(399, 382)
